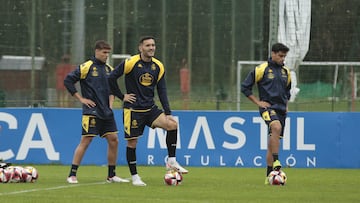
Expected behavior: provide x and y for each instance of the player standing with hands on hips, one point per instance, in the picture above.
(143, 74)
(273, 81)
(97, 115)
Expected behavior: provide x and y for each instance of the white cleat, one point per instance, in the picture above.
(137, 181)
(72, 180)
(174, 165)
(116, 179)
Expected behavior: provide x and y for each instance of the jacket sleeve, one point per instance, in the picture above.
(248, 83)
(112, 79)
(70, 80)
(161, 89)
(288, 94)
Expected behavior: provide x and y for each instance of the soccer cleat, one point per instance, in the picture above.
(267, 181)
(174, 165)
(276, 165)
(116, 179)
(137, 181)
(72, 180)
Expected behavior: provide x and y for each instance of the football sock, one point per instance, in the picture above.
(171, 159)
(275, 156)
(131, 159)
(111, 171)
(171, 139)
(73, 170)
(269, 169)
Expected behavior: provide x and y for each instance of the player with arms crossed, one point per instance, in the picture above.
(273, 81)
(98, 117)
(143, 73)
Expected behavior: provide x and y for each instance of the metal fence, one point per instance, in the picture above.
(207, 36)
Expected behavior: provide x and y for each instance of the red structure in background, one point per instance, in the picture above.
(185, 85)
(62, 70)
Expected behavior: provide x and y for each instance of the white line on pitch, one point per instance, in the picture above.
(52, 188)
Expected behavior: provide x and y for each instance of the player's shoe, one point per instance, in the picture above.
(276, 165)
(174, 165)
(72, 180)
(136, 180)
(116, 179)
(267, 181)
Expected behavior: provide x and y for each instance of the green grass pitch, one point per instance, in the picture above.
(202, 184)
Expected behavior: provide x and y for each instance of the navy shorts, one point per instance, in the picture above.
(136, 120)
(92, 126)
(270, 115)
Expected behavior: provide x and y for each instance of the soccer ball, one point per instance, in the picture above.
(173, 178)
(277, 178)
(31, 174)
(4, 175)
(15, 173)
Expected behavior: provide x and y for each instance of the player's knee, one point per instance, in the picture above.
(132, 143)
(113, 138)
(276, 128)
(172, 126)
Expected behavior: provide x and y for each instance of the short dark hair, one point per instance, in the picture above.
(279, 47)
(102, 44)
(143, 38)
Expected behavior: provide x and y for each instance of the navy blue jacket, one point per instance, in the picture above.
(273, 83)
(93, 77)
(141, 79)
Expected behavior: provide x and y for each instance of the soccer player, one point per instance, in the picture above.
(273, 81)
(97, 114)
(143, 73)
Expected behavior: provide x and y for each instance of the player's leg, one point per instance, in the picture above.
(78, 155)
(134, 126)
(108, 130)
(272, 154)
(269, 159)
(131, 159)
(168, 123)
(269, 163)
(113, 142)
(276, 128)
(112, 152)
(272, 120)
(81, 149)
(88, 132)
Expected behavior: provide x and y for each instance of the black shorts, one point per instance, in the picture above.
(92, 126)
(270, 115)
(136, 120)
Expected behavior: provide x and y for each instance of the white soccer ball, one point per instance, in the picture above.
(4, 175)
(31, 174)
(277, 178)
(173, 178)
(15, 174)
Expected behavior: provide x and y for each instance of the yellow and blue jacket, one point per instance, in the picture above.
(141, 79)
(93, 77)
(273, 82)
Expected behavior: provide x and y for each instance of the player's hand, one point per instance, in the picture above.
(88, 102)
(264, 104)
(131, 98)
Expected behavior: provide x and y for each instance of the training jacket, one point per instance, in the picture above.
(273, 83)
(141, 78)
(93, 77)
